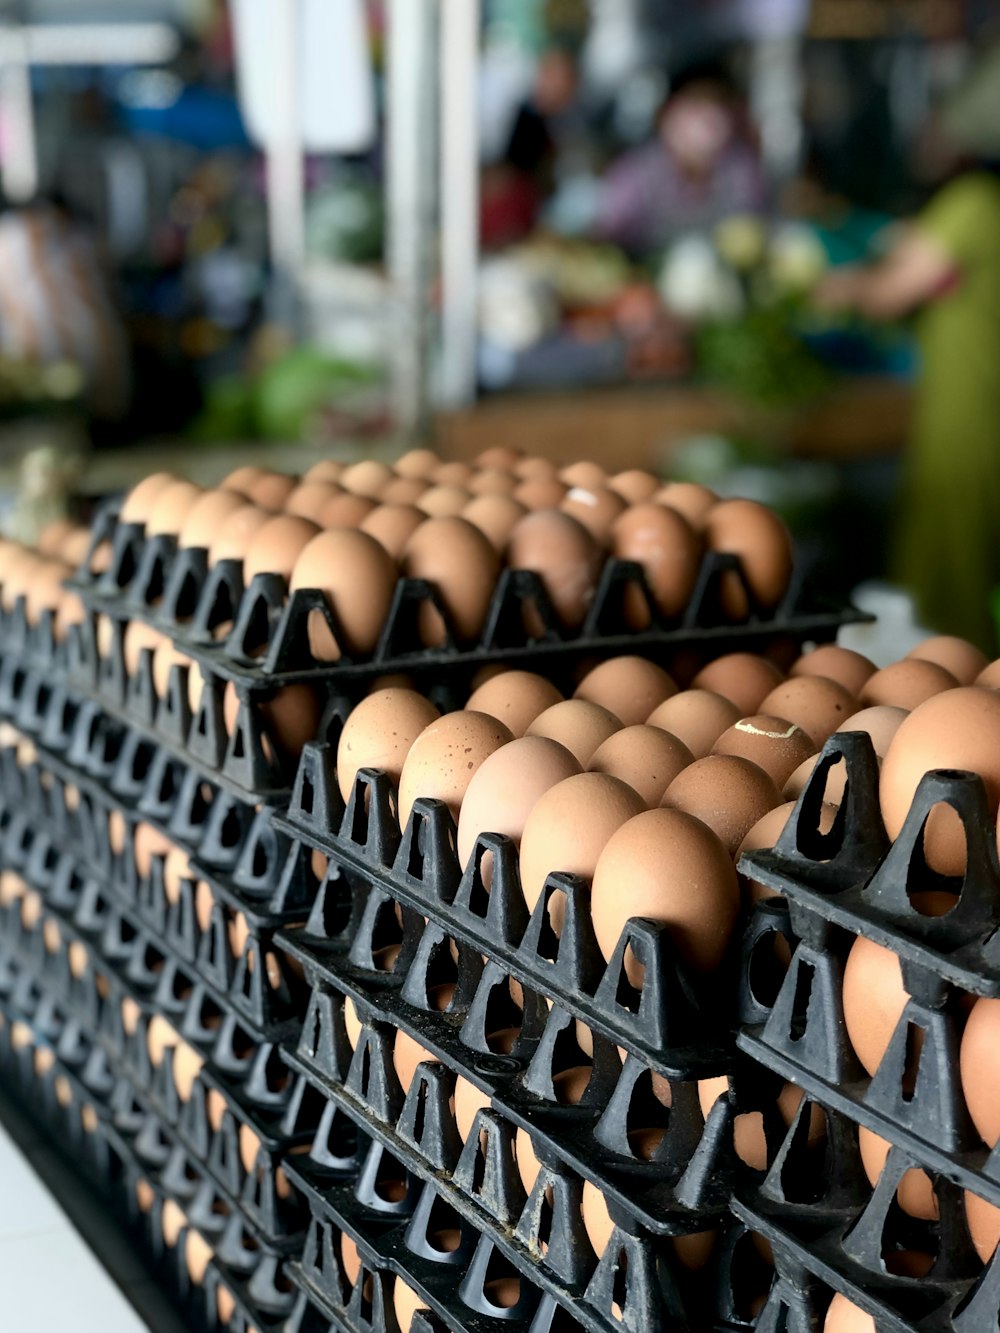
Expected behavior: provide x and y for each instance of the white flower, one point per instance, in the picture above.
(516, 310)
(695, 284)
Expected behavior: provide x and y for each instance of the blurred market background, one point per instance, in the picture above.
(277, 230)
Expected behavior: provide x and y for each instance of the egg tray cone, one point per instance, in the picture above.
(851, 883)
(176, 592)
(826, 1224)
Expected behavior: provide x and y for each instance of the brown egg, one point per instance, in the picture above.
(749, 1139)
(454, 473)
(566, 559)
(74, 551)
(978, 1065)
(495, 516)
(270, 490)
(596, 1218)
(696, 717)
(669, 551)
(276, 547)
(419, 463)
(358, 578)
(206, 517)
(984, 1225)
(596, 509)
(507, 786)
(880, 722)
(989, 677)
(498, 456)
(443, 501)
(176, 869)
(165, 658)
(52, 537)
(462, 565)
(689, 499)
(345, 510)
(310, 499)
(835, 785)
(528, 1165)
(568, 828)
(492, 481)
(760, 540)
(187, 1065)
(469, 1100)
(775, 745)
(629, 687)
(959, 657)
(445, 757)
(578, 725)
(668, 866)
(645, 758)
(906, 684)
(874, 999)
(368, 478)
(392, 526)
(915, 1194)
(405, 1303)
(727, 793)
(139, 638)
(958, 729)
(514, 698)
(172, 1222)
(815, 704)
(379, 732)
(327, 469)
(844, 1316)
(540, 493)
(350, 1258)
(743, 678)
(236, 533)
(148, 842)
(197, 1253)
(764, 835)
(138, 503)
(846, 667)
(352, 1023)
(402, 491)
(406, 1055)
(291, 718)
(694, 1251)
(583, 473)
(534, 466)
(635, 486)
(171, 509)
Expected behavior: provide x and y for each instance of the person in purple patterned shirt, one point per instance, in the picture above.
(701, 166)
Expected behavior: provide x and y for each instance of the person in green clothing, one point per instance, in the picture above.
(944, 268)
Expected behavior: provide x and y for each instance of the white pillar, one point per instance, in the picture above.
(285, 176)
(17, 118)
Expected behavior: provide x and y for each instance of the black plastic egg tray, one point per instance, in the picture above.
(852, 882)
(176, 592)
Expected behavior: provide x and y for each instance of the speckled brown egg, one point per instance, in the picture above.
(568, 828)
(689, 499)
(379, 732)
(629, 687)
(392, 526)
(635, 486)
(444, 758)
(961, 658)
(669, 551)
(725, 792)
(276, 546)
(138, 503)
(463, 567)
(566, 559)
(762, 543)
(368, 478)
(815, 704)
(906, 684)
(668, 866)
(495, 516)
(843, 665)
(645, 758)
(206, 517)
(577, 724)
(743, 678)
(515, 698)
(507, 786)
(234, 536)
(775, 744)
(358, 578)
(696, 717)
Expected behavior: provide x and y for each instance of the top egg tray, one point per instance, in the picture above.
(176, 592)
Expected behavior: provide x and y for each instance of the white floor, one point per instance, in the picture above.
(49, 1278)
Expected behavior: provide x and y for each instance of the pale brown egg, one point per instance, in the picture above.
(578, 725)
(187, 1065)
(276, 547)
(458, 560)
(507, 786)
(629, 687)
(726, 793)
(405, 1304)
(874, 999)
(906, 684)
(984, 1225)
(77, 544)
(147, 843)
(764, 835)
(835, 782)
(596, 1218)
(45, 590)
(52, 537)
(492, 481)
(989, 677)
(498, 456)
(645, 758)
(379, 732)
(495, 516)
(843, 1316)
(454, 473)
(670, 867)
(749, 1139)
(402, 491)
(137, 639)
(392, 526)
(583, 473)
(172, 1222)
(419, 463)
(540, 493)
(528, 1165)
(350, 1258)
(171, 509)
(138, 503)
(406, 1055)
(236, 533)
(352, 1023)
(815, 704)
(596, 509)
(345, 510)
(291, 718)
(310, 499)
(206, 517)
(445, 757)
(978, 1064)
(635, 486)
(567, 830)
(327, 469)
(514, 698)
(165, 658)
(670, 553)
(773, 743)
(696, 717)
(959, 657)
(534, 466)
(357, 576)
(197, 1254)
(880, 722)
(843, 665)
(443, 501)
(687, 498)
(469, 1100)
(566, 559)
(743, 678)
(268, 489)
(368, 478)
(915, 1194)
(957, 729)
(176, 869)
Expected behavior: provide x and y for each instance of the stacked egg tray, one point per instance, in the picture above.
(258, 635)
(816, 1206)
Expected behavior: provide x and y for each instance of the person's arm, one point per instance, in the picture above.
(916, 269)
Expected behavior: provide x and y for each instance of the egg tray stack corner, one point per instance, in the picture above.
(826, 1222)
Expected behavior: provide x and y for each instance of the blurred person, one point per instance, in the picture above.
(702, 165)
(943, 267)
